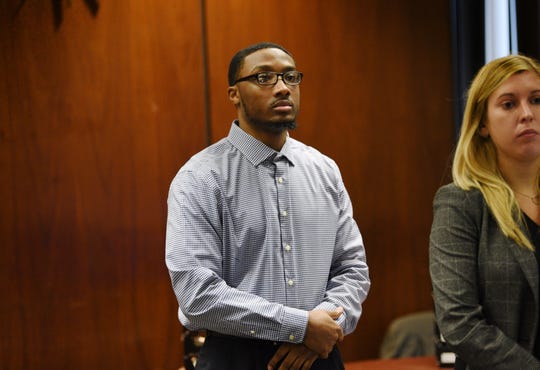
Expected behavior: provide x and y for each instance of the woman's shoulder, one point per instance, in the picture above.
(457, 206)
(455, 194)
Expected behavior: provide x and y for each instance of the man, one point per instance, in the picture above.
(262, 247)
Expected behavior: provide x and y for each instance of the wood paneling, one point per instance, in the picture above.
(96, 118)
(376, 98)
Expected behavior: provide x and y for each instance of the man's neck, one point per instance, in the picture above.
(274, 140)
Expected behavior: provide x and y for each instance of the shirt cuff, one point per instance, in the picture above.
(293, 325)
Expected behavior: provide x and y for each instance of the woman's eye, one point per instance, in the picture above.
(508, 104)
(535, 100)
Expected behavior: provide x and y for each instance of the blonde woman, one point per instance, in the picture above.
(484, 259)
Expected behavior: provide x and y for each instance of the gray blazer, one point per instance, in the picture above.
(485, 286)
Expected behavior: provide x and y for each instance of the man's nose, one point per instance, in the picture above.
(281, 86)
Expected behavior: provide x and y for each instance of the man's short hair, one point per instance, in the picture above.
(237, 60)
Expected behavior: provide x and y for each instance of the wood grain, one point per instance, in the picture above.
(100, 115)
(97, 116)
(376, 97)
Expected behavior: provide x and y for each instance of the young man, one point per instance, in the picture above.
(262, 247)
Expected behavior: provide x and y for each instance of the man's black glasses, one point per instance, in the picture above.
(291, 78)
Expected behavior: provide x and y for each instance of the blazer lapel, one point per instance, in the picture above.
(529, 266)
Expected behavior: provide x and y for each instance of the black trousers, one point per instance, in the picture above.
(223, 352)
(459, 364)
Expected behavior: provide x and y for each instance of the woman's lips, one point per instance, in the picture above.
(528, 133)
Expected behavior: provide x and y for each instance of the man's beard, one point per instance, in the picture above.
(270, 126)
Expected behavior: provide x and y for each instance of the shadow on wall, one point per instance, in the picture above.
(58, 10)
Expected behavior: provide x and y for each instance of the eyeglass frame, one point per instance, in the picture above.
(277, 74)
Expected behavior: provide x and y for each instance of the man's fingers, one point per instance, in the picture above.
(308, 363)
(340, 335)
(336, 313)
(324, 356)
(278, 356)
(299, 357)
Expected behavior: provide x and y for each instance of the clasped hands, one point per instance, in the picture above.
(322, 334)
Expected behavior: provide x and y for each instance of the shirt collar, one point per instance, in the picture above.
(254, 150)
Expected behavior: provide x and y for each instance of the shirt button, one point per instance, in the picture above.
(284, 213)
(291, 337)
(280, 179)
(252, 332)
(287, 247)
(290, 282)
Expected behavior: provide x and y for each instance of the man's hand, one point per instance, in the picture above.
(294, 356)
(323, 332)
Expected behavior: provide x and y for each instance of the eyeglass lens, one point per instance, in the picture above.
(270, 78)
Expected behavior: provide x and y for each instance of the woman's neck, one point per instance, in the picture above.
(521, 177)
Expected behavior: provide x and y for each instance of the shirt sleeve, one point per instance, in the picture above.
(453, 267)
(349, 281)
(193, 257)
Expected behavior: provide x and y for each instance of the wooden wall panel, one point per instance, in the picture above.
(95, 119)
(376, 98)
(97, 116)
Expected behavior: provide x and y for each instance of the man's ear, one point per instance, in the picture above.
(234, 96)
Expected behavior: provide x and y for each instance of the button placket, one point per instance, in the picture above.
(282, 186)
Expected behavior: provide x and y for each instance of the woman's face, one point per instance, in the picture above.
(513, 114)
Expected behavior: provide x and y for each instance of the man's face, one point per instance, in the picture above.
(271, 108)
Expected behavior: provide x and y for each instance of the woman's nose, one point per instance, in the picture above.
(526, 112)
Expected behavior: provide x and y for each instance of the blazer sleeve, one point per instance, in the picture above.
(453, 253)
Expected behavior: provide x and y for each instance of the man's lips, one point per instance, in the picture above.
(282, 106)
(282, 103)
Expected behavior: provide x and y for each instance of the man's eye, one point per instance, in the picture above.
(291, 77)
(535, 100)
(263, 77)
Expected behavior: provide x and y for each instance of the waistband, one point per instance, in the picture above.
(213, 334)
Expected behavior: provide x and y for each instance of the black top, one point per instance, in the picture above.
(535, 240)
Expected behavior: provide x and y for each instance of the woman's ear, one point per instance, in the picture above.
(483, 130)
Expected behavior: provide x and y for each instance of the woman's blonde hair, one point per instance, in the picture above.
(475, 158)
